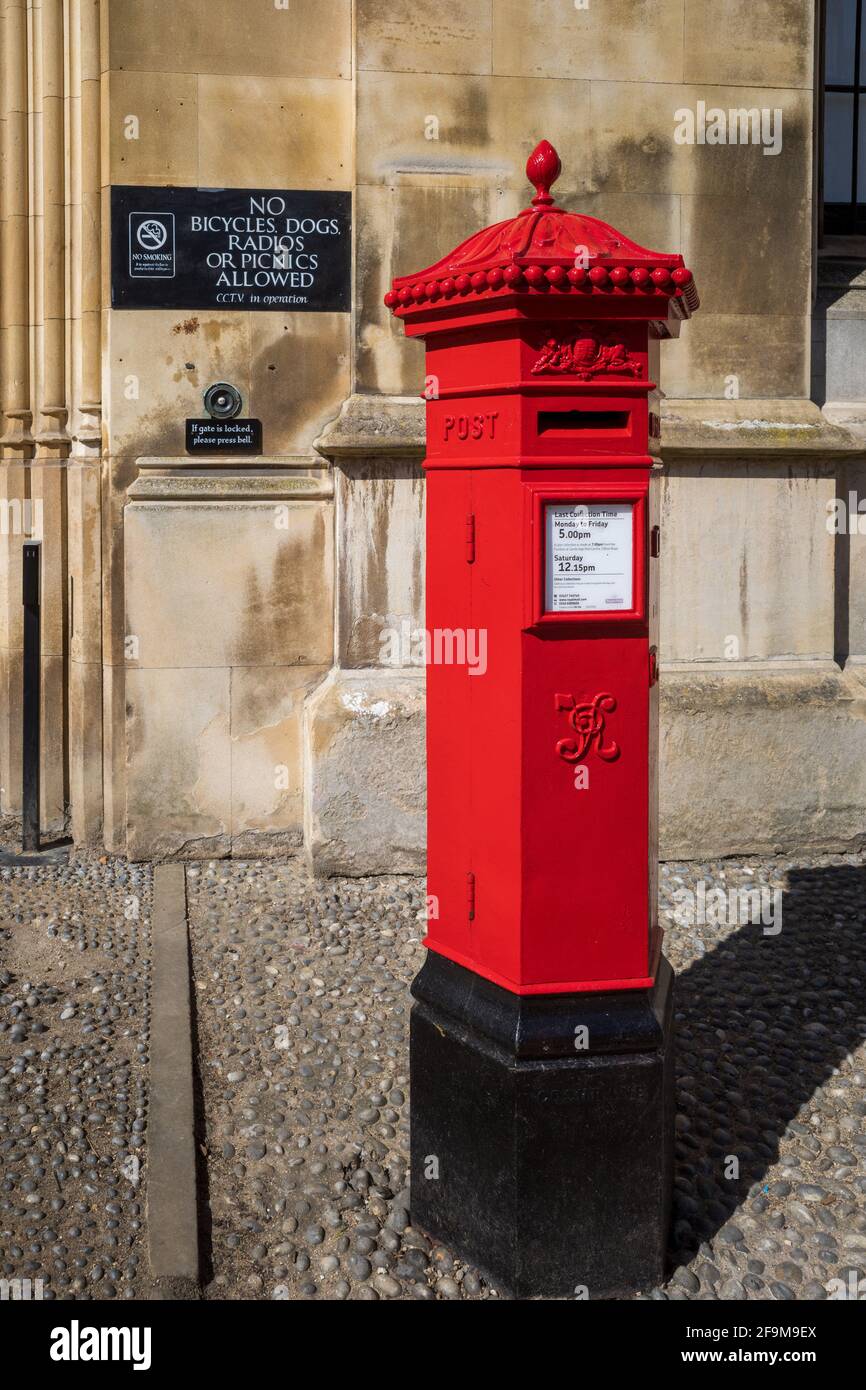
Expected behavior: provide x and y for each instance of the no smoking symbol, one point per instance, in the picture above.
(151, 235)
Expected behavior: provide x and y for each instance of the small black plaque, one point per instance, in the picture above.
(224, 436)
(231, 248)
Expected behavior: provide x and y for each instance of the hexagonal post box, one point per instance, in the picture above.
(541, 1058)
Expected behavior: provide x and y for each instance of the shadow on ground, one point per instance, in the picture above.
(762, 1022)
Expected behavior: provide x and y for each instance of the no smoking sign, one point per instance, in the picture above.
(151, 245)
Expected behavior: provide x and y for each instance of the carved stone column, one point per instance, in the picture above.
(16, 439)
(85, 462)
(50, 410)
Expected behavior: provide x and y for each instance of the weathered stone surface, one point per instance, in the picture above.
(733, 586)
(160, 364)
(480, 136)
(838, 329)
(229, 584)
(171, 1197)
(165, 105)
(160, 480)
(375, 425)
(166, 34)
(761, 758)
(845, 378)
(219, 662)
(301, 367)
(267, 706)
(365, 774)
(633, 150)
(623, 40)
(380, 541)
(453, 36)
(752, 429)
(300, 145)
(85, 653)
(759, 354)
(178, 763)
(760, 42)
(716, 228)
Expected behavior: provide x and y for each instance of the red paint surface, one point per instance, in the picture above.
(562, 881)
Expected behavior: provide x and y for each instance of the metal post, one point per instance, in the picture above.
(32, 696)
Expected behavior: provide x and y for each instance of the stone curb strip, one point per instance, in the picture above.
(171, 1169)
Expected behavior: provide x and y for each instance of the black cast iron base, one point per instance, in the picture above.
(545, 1163)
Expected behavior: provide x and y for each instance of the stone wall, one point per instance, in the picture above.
(220, 668)
(220, 593)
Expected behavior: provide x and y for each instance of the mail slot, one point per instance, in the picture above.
(567, 421)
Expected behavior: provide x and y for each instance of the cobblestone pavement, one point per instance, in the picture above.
(302, 1021)
(302, 1001)
(770, 1195)
(74, 970)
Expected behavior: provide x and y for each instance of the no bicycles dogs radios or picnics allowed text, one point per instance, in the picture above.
(226, 249)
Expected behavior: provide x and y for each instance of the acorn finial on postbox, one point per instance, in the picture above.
(546, 250)
(543, 168)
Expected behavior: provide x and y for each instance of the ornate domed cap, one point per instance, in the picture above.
(546, 249)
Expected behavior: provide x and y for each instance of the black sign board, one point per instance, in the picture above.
(230, 248)
(224, 436)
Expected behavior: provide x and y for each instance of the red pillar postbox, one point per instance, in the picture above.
(541, 1063)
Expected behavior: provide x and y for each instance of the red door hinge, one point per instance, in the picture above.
(470, 896)
(470, 539)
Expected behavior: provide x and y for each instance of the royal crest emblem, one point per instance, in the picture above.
(585, 357)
